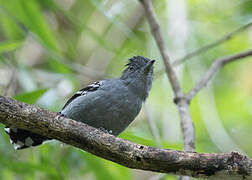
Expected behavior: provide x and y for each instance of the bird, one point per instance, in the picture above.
(109, 105)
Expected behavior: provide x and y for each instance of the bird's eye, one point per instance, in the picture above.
(131, 68)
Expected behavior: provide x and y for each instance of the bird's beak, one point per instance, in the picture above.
(149, 65)
(152, 62)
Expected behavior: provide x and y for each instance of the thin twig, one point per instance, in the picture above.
(180, 100)
(152, 126)
(207, 47)
(214, 69)
(156, 32)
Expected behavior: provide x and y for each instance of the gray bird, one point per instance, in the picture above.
(110, 105)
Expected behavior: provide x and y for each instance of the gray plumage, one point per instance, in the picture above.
(114, 103)
(110, 105)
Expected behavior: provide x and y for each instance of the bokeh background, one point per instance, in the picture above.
(49, 49)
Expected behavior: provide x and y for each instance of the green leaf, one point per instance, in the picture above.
(9, 46)
(129, 136)
(35, 21)
(22, 168)
(58, 66)
(98, 166)
(30, 14)
(10, 29)
(30, 97)
(148, 142)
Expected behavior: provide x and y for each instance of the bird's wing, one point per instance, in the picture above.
(83, 92)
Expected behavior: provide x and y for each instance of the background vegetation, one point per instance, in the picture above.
(49, 49)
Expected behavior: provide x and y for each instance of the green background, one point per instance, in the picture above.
(50, 49)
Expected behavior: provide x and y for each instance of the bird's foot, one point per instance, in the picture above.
(59, 115)
(105, 130)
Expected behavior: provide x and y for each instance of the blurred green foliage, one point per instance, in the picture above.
(49, 49)
(30, 97)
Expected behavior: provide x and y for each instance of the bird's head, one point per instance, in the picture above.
(139, 74)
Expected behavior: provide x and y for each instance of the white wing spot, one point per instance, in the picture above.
(7, 130)
(79, 92)
(84, 92)
(18, 145)
(29, 141)
(95, 86)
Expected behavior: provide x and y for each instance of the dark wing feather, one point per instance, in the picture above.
(84, 91)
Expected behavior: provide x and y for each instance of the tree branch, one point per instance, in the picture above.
(217, 64)
(156, 32)
(180, 100)
(211, 45)
(80, 135)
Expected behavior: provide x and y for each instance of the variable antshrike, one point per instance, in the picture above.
(110, 105)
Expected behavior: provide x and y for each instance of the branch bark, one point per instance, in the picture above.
(80, 135)
(217, 64)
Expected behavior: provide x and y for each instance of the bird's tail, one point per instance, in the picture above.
(22, 139)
